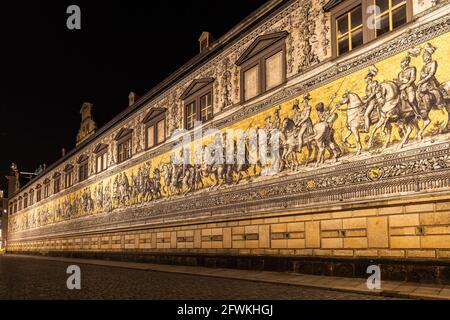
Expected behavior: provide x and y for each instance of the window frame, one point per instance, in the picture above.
(368, 35)
(46, 189)
(56, 183)
(195, 98)
(259, 59)
(38, 193)
(101, 155)
(153, 121)
(83, 169)
(68, 176)
(127, 138)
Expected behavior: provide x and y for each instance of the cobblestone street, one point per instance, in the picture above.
(23, 278)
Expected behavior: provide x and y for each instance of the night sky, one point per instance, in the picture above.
(48, 71)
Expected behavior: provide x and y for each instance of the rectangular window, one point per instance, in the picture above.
(150, 136)
(47, 190)
(83, 171)
(391, 14)
(191, 115)
(206, 110)
(349, 30)
(274, 70)
(355, 22)
(161, 131)
(56, 186)
(124, 150)
(101, 162)
(38, 195)
(68, 179)
(31, 198)
(25, 201)
(251, 82)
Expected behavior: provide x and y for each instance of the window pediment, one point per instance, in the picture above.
(124, 132)
(261, 43)
(195, 86)
(153, 113)
(68, 167)
(100, 147)
(82, 158)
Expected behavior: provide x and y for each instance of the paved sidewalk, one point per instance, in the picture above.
(408, 290)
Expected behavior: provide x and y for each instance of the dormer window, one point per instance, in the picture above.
(124, 145)
(263, 65)
(83, 168)
(155, 127)
(198, 102)
(68, 176)
(101, 153)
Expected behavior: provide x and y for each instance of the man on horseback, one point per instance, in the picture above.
(428, 84)
(372, 95)
(302, 120)
(406, 83)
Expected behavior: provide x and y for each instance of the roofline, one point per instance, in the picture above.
(261, 14)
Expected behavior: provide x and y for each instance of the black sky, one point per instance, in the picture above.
(48, 71)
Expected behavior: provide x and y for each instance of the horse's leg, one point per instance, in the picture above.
(426, 123)
(374, 130)
(388, 135)
(407, 133)
(347, 135)
(320, 159)
(358, 140)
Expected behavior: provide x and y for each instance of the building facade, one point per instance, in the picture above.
(360, 93)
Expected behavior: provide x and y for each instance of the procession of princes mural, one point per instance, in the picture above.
(403, 104)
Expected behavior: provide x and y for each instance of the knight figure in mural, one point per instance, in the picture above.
(406, 82)
(372, 97)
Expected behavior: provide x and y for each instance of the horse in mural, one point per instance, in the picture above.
(289, 142)
(391, 110)
(323, 140)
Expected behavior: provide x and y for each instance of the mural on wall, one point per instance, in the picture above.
(401, 102)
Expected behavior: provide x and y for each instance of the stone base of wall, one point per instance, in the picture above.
(421, 271)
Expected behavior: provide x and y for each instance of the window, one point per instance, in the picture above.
(101, 163)
(274, 70)
(47, 188)
(355, 22)
(20, 203)
(56, 184)
(191, 115)
(38, 193)
(155, 127)
(198, 101)
(25, 200)
(31, 201)
(15, 206)
(251, 83)
(68, 182)
(349, 30)
(392, 14)
(83, 171)
(161, 131)
(124, 150)
(263, 65)
(124, 145)
(83, 168)
(68, 176)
